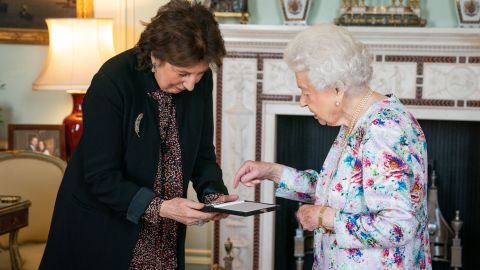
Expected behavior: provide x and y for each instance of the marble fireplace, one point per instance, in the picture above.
(434, 71)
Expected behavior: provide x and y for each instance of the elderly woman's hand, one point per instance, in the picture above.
(253, 172)
(308, 216)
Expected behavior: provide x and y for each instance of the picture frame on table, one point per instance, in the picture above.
(45, 139)
(229, 8)
(468, 13)
(23, 22)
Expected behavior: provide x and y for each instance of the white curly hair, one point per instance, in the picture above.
(329, 54)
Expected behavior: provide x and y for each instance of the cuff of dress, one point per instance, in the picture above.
(210, 198)
(286, 189)
(152, 214)
(282, 186)
(139, 203)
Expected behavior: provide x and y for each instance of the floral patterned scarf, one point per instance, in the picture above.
(157, 244)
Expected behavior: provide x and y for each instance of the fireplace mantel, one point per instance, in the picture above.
(273, 38)
(434, 71)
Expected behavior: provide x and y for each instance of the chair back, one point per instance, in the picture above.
(35, 177)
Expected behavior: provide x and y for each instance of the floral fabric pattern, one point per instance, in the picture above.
(377, 182)
(155, 248)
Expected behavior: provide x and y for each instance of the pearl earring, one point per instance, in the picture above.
(153, 67)
(337, 103)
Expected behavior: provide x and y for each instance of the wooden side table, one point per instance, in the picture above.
(14, 216)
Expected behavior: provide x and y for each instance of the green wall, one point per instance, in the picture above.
(438, 13)
(21, 64)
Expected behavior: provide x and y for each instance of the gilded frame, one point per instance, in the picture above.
(229, 8)
(84, 9)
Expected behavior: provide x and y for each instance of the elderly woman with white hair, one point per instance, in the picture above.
(367, 204)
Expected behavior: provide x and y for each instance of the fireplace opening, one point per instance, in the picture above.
(453, 146)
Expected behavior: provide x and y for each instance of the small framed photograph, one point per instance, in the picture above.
(45, 139)
(468, 13)
(229, 8)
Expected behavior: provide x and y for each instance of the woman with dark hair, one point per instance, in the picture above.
(148, 131)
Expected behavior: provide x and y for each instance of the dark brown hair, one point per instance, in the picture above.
(182, 34)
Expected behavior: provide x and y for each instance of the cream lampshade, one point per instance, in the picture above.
(78, 47)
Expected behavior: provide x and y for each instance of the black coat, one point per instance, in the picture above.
(109, 180)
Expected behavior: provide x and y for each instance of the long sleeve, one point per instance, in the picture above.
(393, 188)
(103, 145)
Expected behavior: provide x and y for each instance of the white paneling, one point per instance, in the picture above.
(238, 127)
(144, 11)
(127, 15)
(238, 115)
(447, 81)
(278, 79)
(396, 78)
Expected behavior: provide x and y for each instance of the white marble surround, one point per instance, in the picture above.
(434, 71)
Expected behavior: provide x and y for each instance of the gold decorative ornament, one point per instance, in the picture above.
(389, 13)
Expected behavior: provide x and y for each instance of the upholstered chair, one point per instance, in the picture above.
(35, 177)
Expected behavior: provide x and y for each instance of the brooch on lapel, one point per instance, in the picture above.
(138, 120)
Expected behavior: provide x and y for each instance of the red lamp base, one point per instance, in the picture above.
(74, 123)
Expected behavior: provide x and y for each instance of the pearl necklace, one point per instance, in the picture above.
(360, 106)
(356, 113)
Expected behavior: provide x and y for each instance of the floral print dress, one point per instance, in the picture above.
(377, 182)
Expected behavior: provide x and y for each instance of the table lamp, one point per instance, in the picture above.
(78, 47)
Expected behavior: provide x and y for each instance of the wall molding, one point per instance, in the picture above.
(273, 38)
(198, 256)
